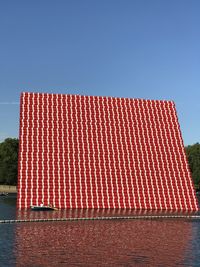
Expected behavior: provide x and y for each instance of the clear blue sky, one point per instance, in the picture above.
(125, 48)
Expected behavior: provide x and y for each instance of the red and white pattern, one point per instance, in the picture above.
(102, 152)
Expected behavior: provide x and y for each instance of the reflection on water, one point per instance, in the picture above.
(103, 243)
(8, 207)
(140, 242)
(91, 213)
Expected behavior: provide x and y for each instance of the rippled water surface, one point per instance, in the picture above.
(164, 242)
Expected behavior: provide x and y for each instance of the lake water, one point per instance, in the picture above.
(163, 242)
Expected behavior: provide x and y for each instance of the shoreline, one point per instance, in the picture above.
(8, 188)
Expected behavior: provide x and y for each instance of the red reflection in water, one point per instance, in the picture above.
(90, 213)
(103, 243)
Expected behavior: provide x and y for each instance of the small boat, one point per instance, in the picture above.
(42, 207)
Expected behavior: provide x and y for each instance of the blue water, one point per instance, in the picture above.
(164, 242)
